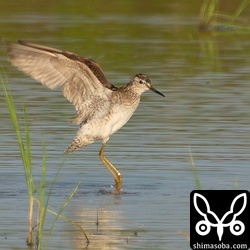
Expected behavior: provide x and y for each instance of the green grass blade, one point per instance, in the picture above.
(207, 11)
(41, 194)
(39, 191)
(76, 225)
(196, 177)
(61, 210)
(242, 6)
(25, 153)
(27, 149)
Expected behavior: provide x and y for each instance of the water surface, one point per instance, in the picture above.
(205, 78)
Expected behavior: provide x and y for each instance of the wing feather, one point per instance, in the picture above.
(79, 77)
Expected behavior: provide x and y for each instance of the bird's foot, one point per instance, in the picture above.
(114, 190)
(117, 188)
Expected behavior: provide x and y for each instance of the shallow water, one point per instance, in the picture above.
(205, 78)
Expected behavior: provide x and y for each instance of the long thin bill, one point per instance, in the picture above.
(157, 92)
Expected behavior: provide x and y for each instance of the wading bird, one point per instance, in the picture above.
(101, 108)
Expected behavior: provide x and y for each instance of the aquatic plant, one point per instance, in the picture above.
(212, 19)
(35, 192)
(25, 151)
(195, 173)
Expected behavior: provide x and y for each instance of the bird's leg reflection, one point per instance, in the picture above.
(111, 168)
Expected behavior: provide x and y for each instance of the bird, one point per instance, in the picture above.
(101, 107)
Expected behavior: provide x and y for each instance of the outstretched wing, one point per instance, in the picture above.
(81, 79)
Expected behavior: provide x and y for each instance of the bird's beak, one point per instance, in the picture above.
(157, 92)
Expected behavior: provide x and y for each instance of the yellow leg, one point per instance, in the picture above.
(111, 168)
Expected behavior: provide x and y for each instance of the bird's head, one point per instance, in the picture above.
(142, 83)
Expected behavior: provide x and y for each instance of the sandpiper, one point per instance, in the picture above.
(101, 108)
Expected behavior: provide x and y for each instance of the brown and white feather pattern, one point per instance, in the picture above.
(102, 108)
(54, 68)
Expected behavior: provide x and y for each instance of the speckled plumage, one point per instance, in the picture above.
(101, 108)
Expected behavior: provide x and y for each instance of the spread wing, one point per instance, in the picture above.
(81, 79)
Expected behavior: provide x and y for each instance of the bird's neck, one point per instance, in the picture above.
(131, 92)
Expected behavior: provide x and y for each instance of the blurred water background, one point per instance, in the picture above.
(205, 77)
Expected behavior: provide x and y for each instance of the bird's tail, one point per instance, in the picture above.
(77, 143)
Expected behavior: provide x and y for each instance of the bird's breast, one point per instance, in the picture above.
(108, 118)
(121, 114)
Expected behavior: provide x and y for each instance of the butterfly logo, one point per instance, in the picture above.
(203, 227)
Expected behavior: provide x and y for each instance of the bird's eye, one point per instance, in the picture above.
(140, 81)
